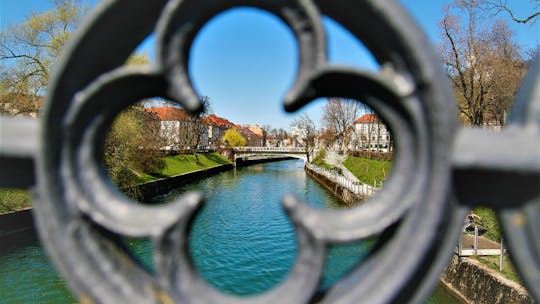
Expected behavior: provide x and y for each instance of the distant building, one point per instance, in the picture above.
(256, 130)
(216, 129)
(253, 139)
(371, 134)
(179, 129)
(172, 122)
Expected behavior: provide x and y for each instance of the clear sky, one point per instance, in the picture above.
(245, 60)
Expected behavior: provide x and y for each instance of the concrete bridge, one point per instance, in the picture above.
(268, 152)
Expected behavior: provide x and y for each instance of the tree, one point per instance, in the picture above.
(192, 129)
(338, 117)
(307, 133)
(29, 49)
(267, 129)
(495, 7)
(132, 147)
(483, 63)
(233, 138)
(133, 143)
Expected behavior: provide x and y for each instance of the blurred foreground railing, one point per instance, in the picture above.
(439, 170)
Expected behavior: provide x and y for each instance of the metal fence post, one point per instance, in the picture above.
(475, 240)
(501, 260)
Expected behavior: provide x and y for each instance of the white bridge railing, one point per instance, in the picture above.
(353, 186)
(271, 149)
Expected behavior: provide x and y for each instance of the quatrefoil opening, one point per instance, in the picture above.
(410, 95)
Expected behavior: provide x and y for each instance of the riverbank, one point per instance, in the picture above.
(345, 195)
(150, 189)
(15, 222)
(12, 200)
(185, 163)
(476, 283)
(242, 162)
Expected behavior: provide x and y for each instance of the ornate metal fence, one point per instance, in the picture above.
(440, 170)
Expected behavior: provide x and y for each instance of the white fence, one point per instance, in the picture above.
(355, 187)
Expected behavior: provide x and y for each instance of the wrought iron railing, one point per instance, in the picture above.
(440, 170)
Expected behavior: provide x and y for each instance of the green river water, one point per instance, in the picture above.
(241, 242)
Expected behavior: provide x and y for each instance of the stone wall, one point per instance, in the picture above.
(164, 185)
(478, 284)
(345, 195)
(12, 223)
(241, 162)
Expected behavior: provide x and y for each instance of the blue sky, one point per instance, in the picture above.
(245, 60)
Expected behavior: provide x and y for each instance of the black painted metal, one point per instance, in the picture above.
(440, 170)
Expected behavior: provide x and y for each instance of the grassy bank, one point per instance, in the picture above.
(183, 163)
(368, 170)
(492, 262)
(489, 220)
(319, 160)
(13, 200)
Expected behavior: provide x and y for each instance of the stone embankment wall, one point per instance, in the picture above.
(241, 162)
(12, 223)
(164, 185)
(477, 283)
(345, 195)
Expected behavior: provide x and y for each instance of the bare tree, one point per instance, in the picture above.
(307, 133)
(192, 129)
(483, 63)
(339, 116)
(267, 129)
(495, 7)
(29, 49)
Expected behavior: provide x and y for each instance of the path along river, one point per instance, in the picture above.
(241, 241)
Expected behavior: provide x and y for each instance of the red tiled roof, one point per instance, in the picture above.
(249, 133)
(368, 118)
(168, 113)
(256, 129)
(172, 113)
(217, 121)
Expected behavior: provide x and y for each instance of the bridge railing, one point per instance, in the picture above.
(353, 186)
(440, 170)
(271, 149)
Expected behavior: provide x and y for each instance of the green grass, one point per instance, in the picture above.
(184, 163)
(508, 268)
(368, 170)
(13, 200)
(489, 221)
(319, 160)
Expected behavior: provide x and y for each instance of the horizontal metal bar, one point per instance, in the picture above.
(18, 145)
(497, 168)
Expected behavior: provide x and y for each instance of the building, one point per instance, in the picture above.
(179, 130)
(216, 129)
(182, 132)
(253, 139)
(371, 134)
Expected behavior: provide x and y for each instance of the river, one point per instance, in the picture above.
(241, 241)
